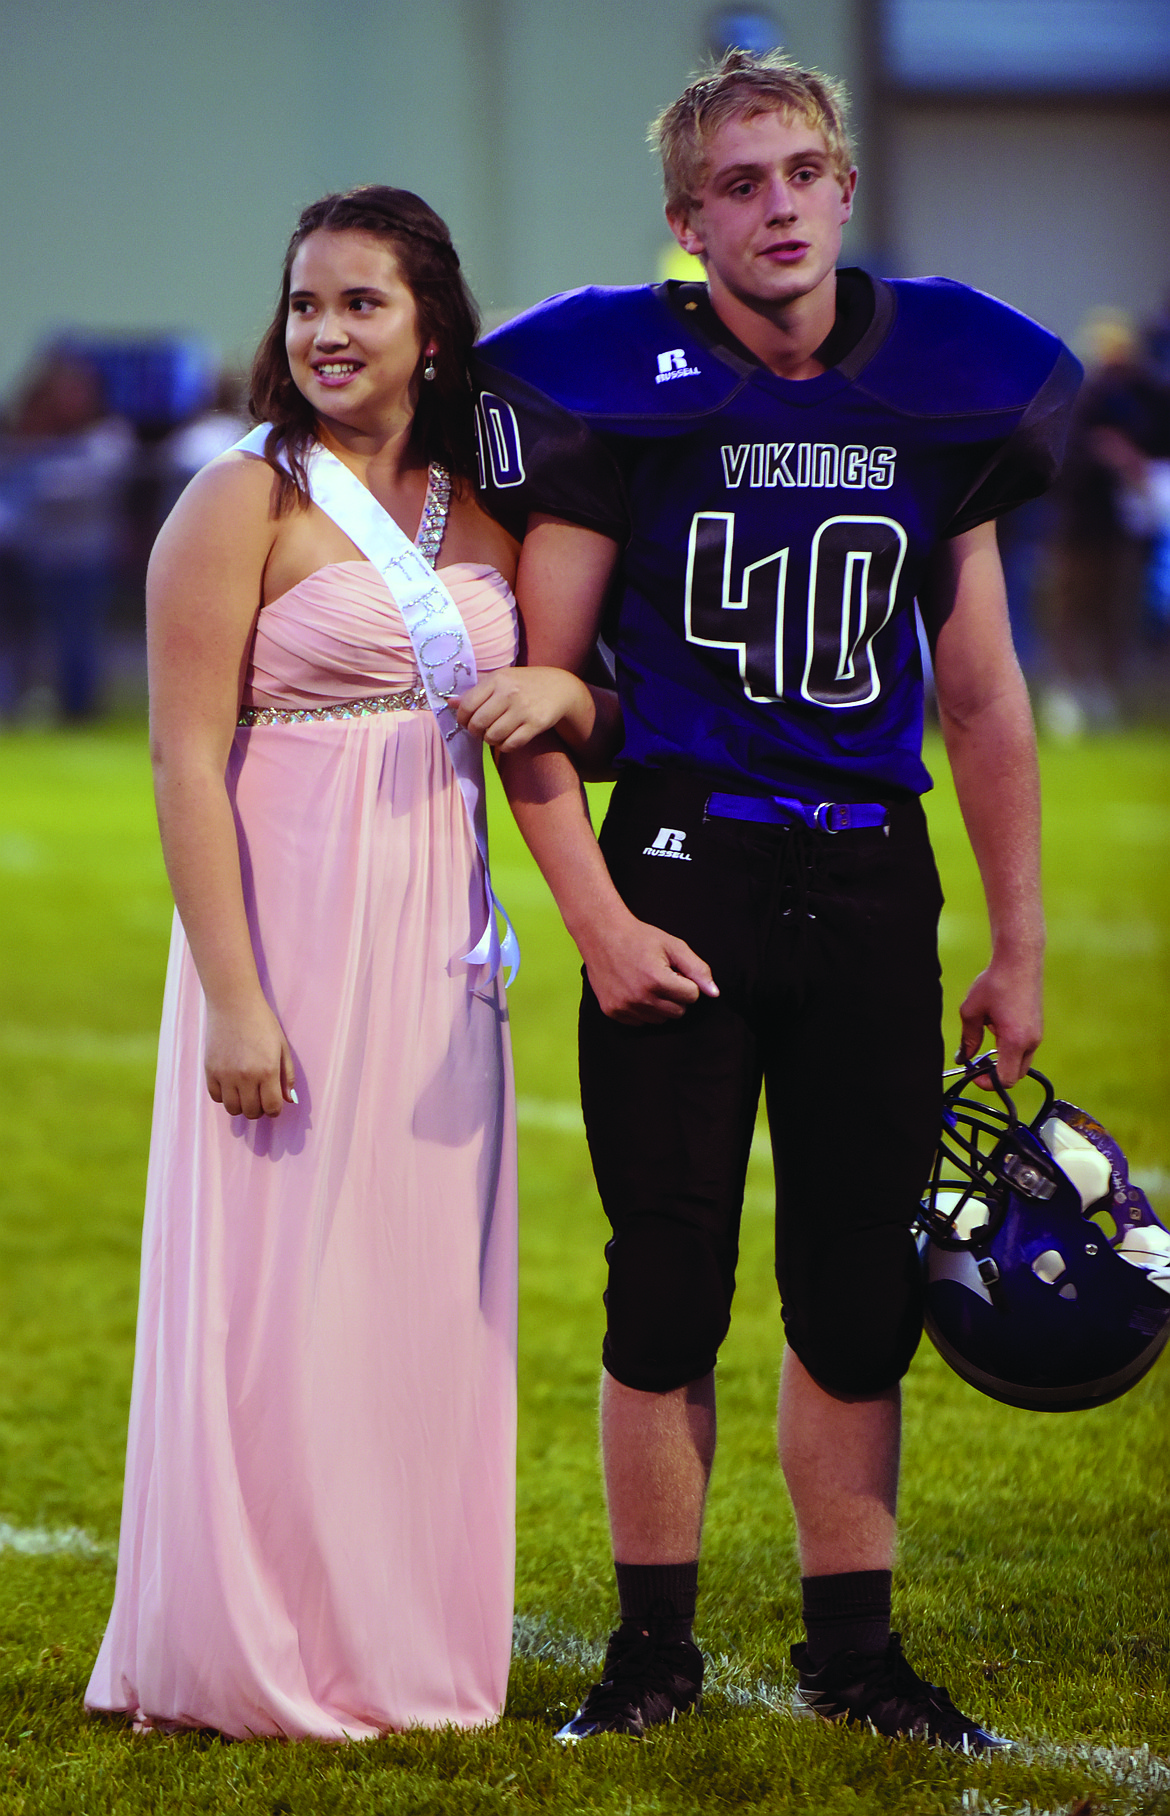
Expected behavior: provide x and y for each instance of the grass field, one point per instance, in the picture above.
(1035, 1555)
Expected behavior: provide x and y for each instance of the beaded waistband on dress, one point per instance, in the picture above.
(410, 700)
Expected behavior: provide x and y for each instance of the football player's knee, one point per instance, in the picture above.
(859, 1332)
(668, 1305)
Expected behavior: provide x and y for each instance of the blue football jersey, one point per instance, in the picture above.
(775, 532)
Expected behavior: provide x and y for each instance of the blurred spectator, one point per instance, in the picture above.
(1106, 527)
(197, 441)
(66, 465)
(16, 607)
(1144, 504)
(1023, 535)
(1158, 342)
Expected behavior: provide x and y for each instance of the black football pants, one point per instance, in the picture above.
(824, 947)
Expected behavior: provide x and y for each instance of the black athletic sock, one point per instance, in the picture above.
(847, 1613)
(661, 1595)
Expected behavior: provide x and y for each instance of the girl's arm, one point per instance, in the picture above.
(203, 591)
(515, 705)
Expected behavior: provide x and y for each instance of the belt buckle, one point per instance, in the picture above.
(828, 809)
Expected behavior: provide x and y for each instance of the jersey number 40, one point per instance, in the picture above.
(854, 565)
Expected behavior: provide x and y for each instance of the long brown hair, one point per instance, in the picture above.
(443, 428)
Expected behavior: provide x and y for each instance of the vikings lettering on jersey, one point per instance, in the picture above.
(776, 533)
(809, 463)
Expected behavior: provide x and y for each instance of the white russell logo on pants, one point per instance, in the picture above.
(668, 843)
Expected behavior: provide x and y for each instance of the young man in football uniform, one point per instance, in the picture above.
(744, 486)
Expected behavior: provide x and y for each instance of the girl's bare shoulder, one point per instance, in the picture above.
(234, 477)
(233, 499)
(226, 517)
(472, 535)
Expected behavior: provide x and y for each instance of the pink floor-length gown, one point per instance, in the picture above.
(318, 1527)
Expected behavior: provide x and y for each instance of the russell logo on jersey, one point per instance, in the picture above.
(674, 365)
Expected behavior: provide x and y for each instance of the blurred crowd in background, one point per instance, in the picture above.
(102, 436)
(1088, 567)
(96, 445)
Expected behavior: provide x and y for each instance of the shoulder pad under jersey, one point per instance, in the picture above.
(613, 355)
(954, 351)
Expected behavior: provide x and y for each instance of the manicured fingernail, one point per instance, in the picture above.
(293, 1098)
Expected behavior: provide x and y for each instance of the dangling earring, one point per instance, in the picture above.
(429, 368)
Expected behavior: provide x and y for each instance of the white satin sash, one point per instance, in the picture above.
(442, 650)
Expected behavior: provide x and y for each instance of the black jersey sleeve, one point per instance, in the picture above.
(1027, 463)
(536, 455)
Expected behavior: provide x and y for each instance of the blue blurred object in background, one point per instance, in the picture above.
(1028, 46)
(152, 381)
(754, 28)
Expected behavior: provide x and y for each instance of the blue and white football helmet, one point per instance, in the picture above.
(1047, 1273)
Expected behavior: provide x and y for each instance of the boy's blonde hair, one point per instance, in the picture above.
(741, 87)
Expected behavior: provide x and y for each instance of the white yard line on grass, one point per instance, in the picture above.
(20, 855)
(565, 1119)
(52, 1541)
(1133, 1768)
(89, 1047)
(544, 1113)
(534, 1637)
(84, 1044)
(1080, 934)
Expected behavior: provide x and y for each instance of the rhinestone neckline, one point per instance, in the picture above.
(434, 513)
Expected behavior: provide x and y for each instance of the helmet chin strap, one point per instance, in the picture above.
(1148, 1247)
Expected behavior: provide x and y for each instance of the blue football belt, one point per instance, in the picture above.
(783, 810)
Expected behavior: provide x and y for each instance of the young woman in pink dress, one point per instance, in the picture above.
(317, 1534)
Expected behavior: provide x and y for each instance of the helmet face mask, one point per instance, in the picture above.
(1047, 1274)
(985, 1153)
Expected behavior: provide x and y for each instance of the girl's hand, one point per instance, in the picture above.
(247, 1061)
(511, 707)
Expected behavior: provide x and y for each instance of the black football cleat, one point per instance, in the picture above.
(879, 1690)
(644, 1681)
